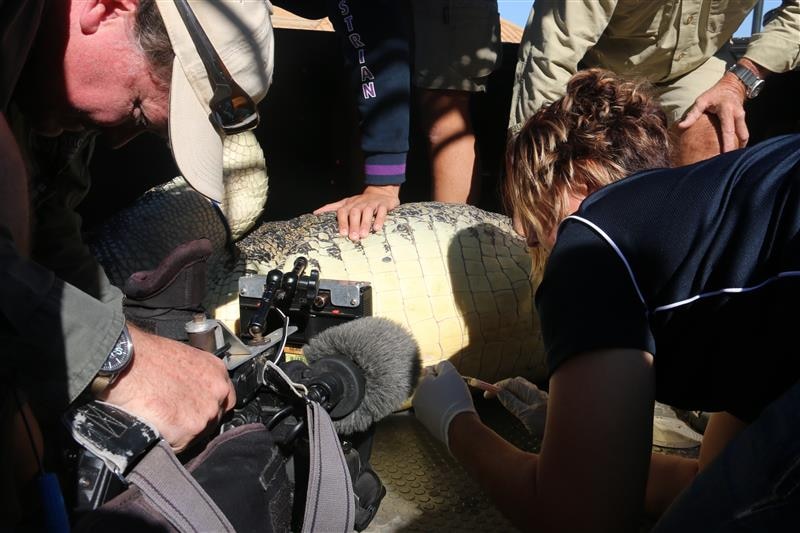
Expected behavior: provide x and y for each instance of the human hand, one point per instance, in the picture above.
(525, 401)
(359, 214)
(725, 100)
(180, 390)
(440, 396)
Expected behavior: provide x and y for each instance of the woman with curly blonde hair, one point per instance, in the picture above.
(672, 285)
(603, 129)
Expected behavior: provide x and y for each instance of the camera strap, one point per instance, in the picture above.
(330, 503)
(133, 450)
(328, 507)
(168, 487)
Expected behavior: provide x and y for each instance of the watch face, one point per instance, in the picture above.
(756, 89)
(119, 356)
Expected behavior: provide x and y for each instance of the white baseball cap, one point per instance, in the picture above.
(237, 32)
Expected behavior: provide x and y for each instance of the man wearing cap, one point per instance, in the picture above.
(70, 68)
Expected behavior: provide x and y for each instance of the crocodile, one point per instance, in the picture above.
(457, 277)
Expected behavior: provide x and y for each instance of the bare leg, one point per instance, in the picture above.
(452, 145)
(697, 143)
(722, 428)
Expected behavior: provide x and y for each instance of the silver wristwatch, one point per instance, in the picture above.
(752, 83)
(118, 360)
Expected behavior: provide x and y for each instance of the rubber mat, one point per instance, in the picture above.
(428, 491)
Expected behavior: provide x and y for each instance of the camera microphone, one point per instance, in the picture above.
(386, 356)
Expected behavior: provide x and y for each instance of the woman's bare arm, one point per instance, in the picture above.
(593, 468)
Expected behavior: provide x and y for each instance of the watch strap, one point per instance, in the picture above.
(101, 383)
(749, 79)
(133, 450)
(103, 379)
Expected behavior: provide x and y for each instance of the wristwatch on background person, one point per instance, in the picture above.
(118, 360)
(752, 83)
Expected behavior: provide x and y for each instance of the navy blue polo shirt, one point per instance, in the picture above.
(697, 265)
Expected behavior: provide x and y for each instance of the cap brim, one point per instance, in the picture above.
(196, 145)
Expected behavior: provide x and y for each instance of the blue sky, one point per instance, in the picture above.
(517, 12)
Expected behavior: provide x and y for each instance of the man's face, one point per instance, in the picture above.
(107, 84)
(115, 92)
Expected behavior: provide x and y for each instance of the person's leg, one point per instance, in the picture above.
(754, 484)
(702, 140)
(698, 143)
(521, 101)
(451, 144)
(721, 429)
(456, 45)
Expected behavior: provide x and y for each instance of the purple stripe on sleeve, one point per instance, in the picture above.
(385, 170)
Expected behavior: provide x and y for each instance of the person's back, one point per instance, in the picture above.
(687, 264)
(674, 284)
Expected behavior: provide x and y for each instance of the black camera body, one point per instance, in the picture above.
(307, 305)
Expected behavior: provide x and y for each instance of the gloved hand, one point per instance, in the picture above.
(440, 396)
(524, 400)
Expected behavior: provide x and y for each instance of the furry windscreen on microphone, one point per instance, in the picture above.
(386, 353)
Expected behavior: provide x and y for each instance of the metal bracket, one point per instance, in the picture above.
(239, 353)
(343, 293)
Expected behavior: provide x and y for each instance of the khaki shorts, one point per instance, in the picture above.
(456, 43)
(678, 95)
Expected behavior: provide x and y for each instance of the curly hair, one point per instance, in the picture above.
(603, 129)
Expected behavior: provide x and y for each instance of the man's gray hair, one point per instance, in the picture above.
(151, 34)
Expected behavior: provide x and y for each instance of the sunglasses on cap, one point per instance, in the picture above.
(232, 109)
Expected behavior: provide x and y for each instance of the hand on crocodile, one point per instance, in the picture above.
(358, 215)
(525, 401)
(180, 390)
(440, 396)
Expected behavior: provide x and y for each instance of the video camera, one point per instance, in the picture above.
(279, 314)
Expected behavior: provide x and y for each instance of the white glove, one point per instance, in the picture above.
(524, 400)
(440, 396)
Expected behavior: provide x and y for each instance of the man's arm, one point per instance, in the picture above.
(62, 336)
(557, 36)
(777, 47)
(774, 50)
(59, 335)
(376, 49)
(180, 390)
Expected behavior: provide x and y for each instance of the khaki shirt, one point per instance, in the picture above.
(659, 40)
(59, 314)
